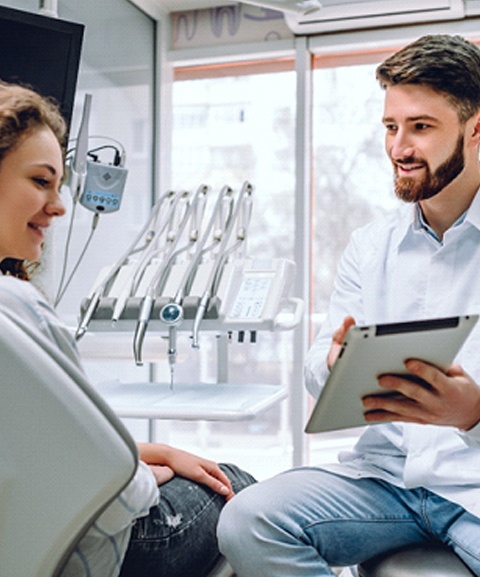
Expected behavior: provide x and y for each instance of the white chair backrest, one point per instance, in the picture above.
(63, 454)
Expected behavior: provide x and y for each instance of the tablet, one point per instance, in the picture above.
(370, 351)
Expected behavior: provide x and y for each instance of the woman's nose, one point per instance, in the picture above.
(55, 206)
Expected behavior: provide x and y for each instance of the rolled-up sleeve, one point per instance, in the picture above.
(134, 502)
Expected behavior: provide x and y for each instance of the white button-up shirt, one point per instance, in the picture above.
(395, 270)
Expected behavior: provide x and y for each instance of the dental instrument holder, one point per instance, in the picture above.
(237, 310)
(242, 303)
(217, 401)
(248, 295)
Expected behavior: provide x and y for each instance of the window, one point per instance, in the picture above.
(352, 185)
(228, 129)
(353, 178)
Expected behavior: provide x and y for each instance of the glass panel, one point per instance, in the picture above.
(353, 182)
(353, 177)
(227, 130)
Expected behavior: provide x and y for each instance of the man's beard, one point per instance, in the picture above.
(411, 190)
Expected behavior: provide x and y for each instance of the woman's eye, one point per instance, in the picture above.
(41, 181)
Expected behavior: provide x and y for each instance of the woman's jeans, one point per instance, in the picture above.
(305, 521)
(178, 537)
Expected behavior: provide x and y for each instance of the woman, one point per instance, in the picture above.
(173, 529)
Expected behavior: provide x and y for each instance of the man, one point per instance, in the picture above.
(415, 477)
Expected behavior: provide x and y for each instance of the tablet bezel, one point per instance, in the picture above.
(373, 350)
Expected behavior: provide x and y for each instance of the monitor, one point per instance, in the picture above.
(41, 52)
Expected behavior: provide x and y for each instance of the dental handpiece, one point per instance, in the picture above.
(141, 328)
(222, 256)
(172, 353)
(86, 318)
(202, 307)
(171, 314)
(150, 251)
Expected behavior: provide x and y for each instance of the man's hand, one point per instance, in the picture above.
(450, 399)
(166, 461)
(337, 341)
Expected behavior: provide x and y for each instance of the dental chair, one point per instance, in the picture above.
(64, 455)
(426, 560)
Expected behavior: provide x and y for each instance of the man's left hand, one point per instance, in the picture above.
(450, 398)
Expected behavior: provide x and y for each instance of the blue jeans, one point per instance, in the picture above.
(178, 537)
(305, 521)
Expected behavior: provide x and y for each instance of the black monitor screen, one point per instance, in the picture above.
(41, 52)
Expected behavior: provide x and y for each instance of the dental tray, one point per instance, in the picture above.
(199, 401)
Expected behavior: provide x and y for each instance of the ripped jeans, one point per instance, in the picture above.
(178, 537)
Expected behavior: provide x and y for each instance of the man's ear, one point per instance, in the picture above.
(475, 133)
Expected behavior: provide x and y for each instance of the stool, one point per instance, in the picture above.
(425, 560)
(222, 569)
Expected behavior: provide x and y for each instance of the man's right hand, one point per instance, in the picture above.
(337, 341)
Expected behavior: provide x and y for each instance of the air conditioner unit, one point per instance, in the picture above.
(472, 7)
(354, 14)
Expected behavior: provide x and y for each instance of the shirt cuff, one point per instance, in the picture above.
(471, 437)
(315, 378)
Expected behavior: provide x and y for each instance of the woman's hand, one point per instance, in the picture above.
(162, 473)
(166, 461)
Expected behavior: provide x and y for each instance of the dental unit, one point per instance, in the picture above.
(188, 270)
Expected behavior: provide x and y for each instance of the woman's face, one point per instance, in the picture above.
(30, 179)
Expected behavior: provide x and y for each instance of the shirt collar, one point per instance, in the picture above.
(407, 221)
(473, 213)
(412, 219)
(423, 224)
